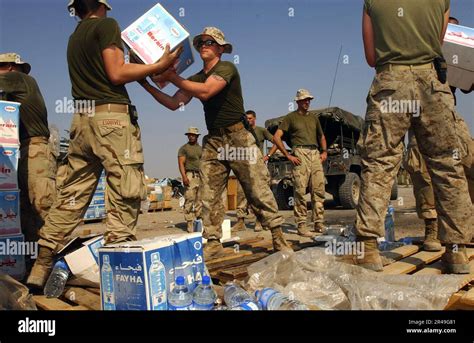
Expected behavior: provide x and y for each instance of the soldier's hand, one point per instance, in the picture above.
(186, 181)
(165, 76)
(295, 160)
(169, 58)
(324, 156)
(266, 158)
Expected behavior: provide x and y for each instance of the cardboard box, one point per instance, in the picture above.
(10, 213)
(139, 275)
(149, 34)
(9, 157)
(167, 193)
(98, 198)
(12, 256)
(9, 122)
(82, 258)
(95, 212)
(458, 50)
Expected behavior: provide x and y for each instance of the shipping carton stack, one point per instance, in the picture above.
(96, 210)
(159, 196)
(12, 258)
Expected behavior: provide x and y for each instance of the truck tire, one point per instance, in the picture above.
(349, 191)
(283, 197)
(394, 192)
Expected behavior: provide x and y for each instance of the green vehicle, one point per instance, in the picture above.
(342, 168)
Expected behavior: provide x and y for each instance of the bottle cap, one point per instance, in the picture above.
(206, 280)
(62, 265)
(180, 280)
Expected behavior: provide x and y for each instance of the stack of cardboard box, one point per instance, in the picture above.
(159, 196)
(12, 258)
(96, 210)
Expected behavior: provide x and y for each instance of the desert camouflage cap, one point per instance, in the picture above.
(71, 3)
(12, 57)
(192, 131)
(218, 36)
(303, 94)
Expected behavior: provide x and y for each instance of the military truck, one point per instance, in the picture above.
(342, 168)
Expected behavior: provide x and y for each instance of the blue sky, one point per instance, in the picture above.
(277, 55)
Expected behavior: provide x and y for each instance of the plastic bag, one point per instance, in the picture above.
(318, 280)
(14, 295)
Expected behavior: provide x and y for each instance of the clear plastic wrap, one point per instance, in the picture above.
(14, 295)
(321, 282)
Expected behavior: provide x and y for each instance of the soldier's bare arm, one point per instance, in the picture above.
(368, 36)
(180, 98)
(445, 26)
(203, 91)
(120, 73)
(279, 143)
(182, 169)
(324, 148)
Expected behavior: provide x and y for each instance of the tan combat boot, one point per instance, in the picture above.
(371, 258)
(41, 269)
(304, 232)
(213, 249)
(319, 227)
(190, 226)
(455, 259)
(258, 226)
(279, 241)
(240, 225)
(431, 236)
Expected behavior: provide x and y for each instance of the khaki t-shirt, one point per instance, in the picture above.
(193, 153)
(227, 107)
(86, 66)
(407, 31)
(22, 88)
(302, 129)
(262, 135)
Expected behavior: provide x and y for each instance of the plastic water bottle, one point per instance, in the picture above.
(204, 296)
(236, 298)
(271, 300)
(157, 278)
(197, 227)
(57, 280)
(107, 284)
(390, 225)
(180, 297)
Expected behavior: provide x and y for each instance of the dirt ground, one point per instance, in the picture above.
(172, 221)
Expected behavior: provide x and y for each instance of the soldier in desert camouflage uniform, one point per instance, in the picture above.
(228, 146)
(307, 139)
(104, 135)
(403, 57)
(37, 165)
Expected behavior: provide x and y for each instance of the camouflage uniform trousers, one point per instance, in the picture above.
(107, 140)
(243, 207)
(422, 186)
(192, 197)
(436, 127)
(309, 172)
(247, 164)
(36, 178)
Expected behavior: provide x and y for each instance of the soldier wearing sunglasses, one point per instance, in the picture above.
(219, 89)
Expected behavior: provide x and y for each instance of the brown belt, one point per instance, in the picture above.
(222, 131)
(120, 108)
(397, 67)
(38, 139)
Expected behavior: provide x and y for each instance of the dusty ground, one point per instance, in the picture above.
(167, 222)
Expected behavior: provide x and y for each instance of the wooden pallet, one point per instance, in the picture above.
(238, 255)
(73, 299)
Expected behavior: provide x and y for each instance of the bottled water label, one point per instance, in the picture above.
(178, 308)
(203, 307)
(264, 295)
(248, 306)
